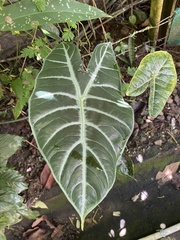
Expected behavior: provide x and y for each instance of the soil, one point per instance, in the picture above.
(159, 134)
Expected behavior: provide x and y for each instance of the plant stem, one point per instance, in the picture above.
(155, 18)
(14, 121)
(163, 233)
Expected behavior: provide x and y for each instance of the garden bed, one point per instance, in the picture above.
(153, 145)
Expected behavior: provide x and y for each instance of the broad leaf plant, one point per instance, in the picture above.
(81, 122)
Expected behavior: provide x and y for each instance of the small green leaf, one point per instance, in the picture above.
(5, 78)
(121, 48)
(126, 166)
(72, 25)
(156, 71)
(28, 52)
(141, 16)
(19, 106)
(39, 204)
(131, 71)
(67, 35)
(9, 144)
(22, 88)
(51, 30)
(132, 19)
(124, 88)
(17, 87)
(39, 49)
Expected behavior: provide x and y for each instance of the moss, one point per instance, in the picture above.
(156, 163)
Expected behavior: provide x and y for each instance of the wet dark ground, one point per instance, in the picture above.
(142, 217)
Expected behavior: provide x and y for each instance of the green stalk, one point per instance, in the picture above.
(155, 18)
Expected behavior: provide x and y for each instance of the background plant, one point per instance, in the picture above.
(12, 208)
(24, 15)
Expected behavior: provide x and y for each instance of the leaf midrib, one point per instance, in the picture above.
(82, 121)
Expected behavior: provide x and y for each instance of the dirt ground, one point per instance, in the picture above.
(147, 133)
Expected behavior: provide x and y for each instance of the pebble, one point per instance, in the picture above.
(162, 225)
(122, 233)
(144, 126)
(176, 99)
(139, 158)
(122, 223)
(173, 123)
(161, 117)
(175, 131)
(170, 100)
(158, 142)
(143, 139)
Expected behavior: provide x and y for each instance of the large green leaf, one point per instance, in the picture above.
(80, 122)
(156, 71)
(24, 15)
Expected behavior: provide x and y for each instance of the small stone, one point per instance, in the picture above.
(168, 117)
(111, 233)
(158, 142)
(162, 225)
(175, 131)
(145, 113)
(116, 213)
(144, 126)
(173, 123)
(143, 139)
(28, 169)
(78, 224)
(122, 233)
(151, 118)
(144, 195)
(152, 134)
(139, 158)
(161, 117)
(161, 113)
(176, 99)
(148, 120)
(122, 223)
(170, 100)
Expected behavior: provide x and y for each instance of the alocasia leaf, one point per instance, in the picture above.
(81, 122)
(156, 71)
